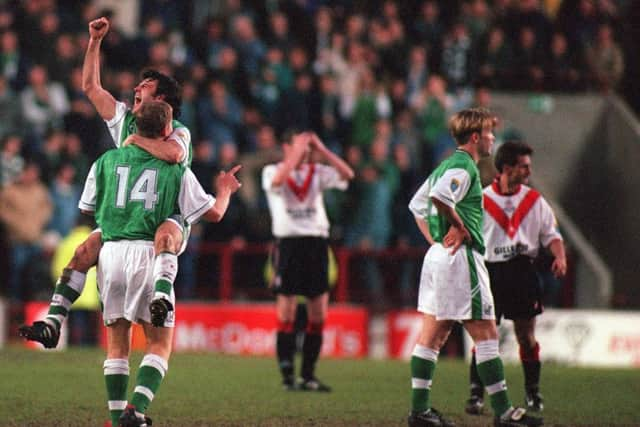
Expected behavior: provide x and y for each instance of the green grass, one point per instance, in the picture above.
(66, 389)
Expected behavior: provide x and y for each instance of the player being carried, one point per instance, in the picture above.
(171, 235)
(131, 193)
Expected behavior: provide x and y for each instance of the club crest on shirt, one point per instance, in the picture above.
(508, 207)
(487, 309)
(455, 184)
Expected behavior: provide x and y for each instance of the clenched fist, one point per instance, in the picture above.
(98, 28)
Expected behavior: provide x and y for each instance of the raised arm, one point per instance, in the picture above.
(341, 166)
(102, 100)
(293, 156)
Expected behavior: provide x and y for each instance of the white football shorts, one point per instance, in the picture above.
(125, 281)
(455, 287)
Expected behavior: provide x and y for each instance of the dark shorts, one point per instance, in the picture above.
(301, 266)
(516, 289)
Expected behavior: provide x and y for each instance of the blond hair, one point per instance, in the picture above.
(466, 122)
(152, 118)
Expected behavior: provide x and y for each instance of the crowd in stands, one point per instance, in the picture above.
(376, 80)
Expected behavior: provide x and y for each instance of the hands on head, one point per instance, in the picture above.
(303, 144)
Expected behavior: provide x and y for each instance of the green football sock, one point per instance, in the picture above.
(150, 374)
(423, 366)
(68, 288)
(116, 376)
(492, 374)
(165, 269)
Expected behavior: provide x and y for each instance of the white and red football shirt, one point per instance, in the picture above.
(297, 207)
(516, 224)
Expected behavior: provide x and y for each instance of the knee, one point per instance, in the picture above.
(286, 315)
(433, 341)
(439, 341)
(118, 350)
(84, 257)
(526, 340)
(160, 347)
(315, 328)
(165, 242)
(317, 316)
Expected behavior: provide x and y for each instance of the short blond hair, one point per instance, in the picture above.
(152, 118)
(466, 122)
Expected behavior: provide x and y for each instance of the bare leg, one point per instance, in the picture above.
(167, 243)
(68, 289)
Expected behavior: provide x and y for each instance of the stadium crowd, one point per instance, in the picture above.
(376, 80)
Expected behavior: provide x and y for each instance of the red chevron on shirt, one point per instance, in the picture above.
(301, 191)
(510, 225)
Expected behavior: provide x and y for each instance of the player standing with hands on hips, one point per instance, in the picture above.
(517, 221)
(294, 189)
(454, 283)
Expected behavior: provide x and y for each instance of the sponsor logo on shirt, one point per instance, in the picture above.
(455, 184)
(510, 251)
(303, 213)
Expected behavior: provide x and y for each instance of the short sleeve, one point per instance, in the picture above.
(268, 173)
(88, 198)
(193, 200)
(451, 187)
(117, 122)
(548, 224)
(330, 178)
(183, 137)
(420, 202)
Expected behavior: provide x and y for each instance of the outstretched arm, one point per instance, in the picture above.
(102, 100)
(345, 171)
(226, 185)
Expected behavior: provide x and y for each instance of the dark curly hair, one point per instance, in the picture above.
(168, 87)
(508, 153)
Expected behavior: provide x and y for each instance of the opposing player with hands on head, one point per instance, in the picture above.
(517, 222)
(454, 283)
(131, 193)
(172, 234)
(294, 189)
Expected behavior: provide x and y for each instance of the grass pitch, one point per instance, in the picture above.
(66, 389)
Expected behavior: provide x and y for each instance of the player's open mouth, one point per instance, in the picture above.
(137, 100)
